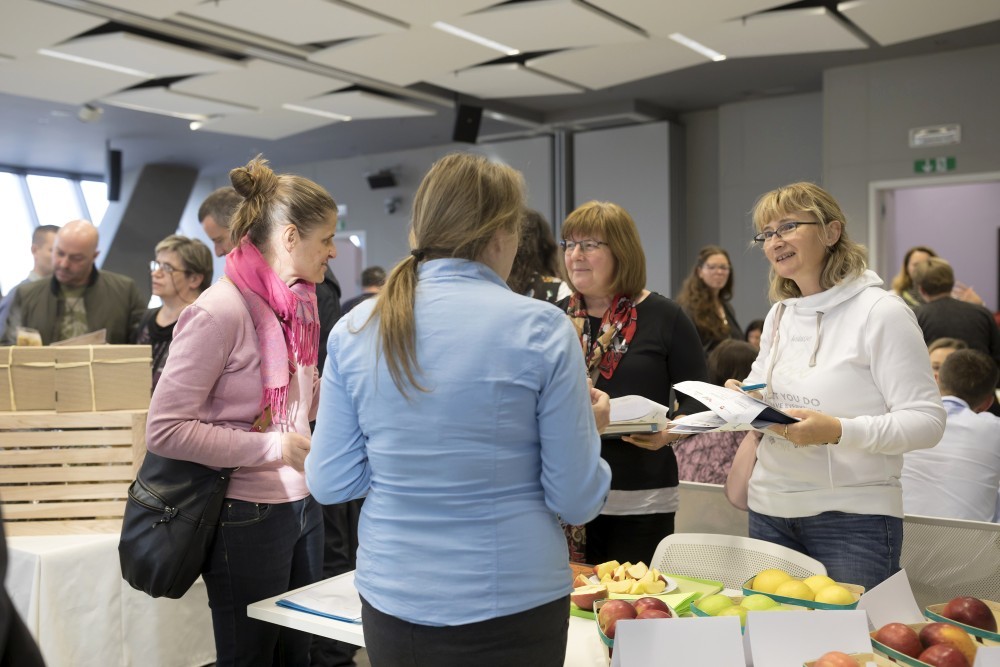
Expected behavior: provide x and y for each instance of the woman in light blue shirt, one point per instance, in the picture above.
(462, 410)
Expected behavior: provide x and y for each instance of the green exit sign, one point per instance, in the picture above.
(934, 165)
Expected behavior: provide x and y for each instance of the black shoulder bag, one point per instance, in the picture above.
(171, 516)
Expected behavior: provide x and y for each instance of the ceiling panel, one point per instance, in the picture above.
(507, 80)
(267, 124)
(779, 33)
(544, 25)
(390, 57)
(426, 12)
(29, 25)
(662, 18)
(362, 105)
(603, 66)
(163, 101)
(60, 80)
(894, 21)
(141, 54)
(294, 21)
(158, 10)
(259, 83)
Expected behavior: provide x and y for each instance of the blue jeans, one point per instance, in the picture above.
(261, 551)
(855, 548)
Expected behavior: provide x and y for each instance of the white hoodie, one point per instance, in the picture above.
(855, 352)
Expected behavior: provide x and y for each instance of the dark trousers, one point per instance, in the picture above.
(631, 538)
(536, 637)
(340, 552)
(261, 551)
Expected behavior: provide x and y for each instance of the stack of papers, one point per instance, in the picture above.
(728, 410)
(334, 598)
(636, 414)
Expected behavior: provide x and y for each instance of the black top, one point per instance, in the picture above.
(951, 318)
(328, 305)
(665, 349)
(159, 337)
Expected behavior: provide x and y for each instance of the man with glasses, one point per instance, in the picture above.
(79, 298)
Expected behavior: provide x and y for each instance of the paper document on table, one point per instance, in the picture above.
(729, 410)
(636, 414)
(334, 598)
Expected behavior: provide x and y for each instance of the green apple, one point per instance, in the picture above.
(735, 611)
(758, 603)
(713, 604)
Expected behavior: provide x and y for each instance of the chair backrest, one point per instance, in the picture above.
(727, 558)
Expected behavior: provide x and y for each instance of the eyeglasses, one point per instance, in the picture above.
(155, 266)
(716, 267)
(782, 230)
(587, 246)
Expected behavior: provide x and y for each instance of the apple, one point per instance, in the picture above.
(611, 612)
(768, 580)
(582, 580)
(713, 604)
(945, 633)
(638, 571)
(642, 604)
(971, 611)
(758, 602)
(653, 613)
(794, 588)
(901, 638)
(584, 597)
(835, 659)
(818, 582)
(944, 655)
(606, 568)
(735, 611)
(835, 594)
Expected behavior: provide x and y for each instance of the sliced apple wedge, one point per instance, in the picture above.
(656, 586)
(619, 586)
(582, 580)
(638, 571)
(605, 568)
(585, 596)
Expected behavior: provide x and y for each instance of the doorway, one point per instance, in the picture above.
(958, 216)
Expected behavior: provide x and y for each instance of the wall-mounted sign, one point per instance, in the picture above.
(935, 135)
(934, 165)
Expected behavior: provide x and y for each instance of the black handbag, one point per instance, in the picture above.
(171, 517)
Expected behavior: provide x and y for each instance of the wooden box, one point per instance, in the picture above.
(27, 378)
(68, 473)
(103, 377)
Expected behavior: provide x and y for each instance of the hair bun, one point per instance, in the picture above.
(255, 179)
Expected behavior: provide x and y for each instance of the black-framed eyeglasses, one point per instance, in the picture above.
(155, 266)
(587, 246)
(780, 231)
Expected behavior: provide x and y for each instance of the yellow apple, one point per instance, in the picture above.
(768, 580)
(818, 582)
(795, 588)
(835, 594)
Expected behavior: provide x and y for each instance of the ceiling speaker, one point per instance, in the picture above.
(467, 120)
(113, 174)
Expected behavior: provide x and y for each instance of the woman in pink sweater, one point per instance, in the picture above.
(246, 347)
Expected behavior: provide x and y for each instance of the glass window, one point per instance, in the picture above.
(55, 199)
(95, 194)
(15, 251)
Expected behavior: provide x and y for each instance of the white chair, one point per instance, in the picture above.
(727, 558)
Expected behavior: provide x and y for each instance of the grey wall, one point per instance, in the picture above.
(630, 166)
(869, 109)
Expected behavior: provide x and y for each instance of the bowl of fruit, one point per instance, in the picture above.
(614, 579)
(816, 592)
(977, 617)
(609, 612)
(926, 644)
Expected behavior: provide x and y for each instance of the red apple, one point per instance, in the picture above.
(584, 597)
(835, 659)
(943, 655)
(611, 612)
(900, 637)
(649, 612)
(946, 633)
(642, 604)
(971, 611)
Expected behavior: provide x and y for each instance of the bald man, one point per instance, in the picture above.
(78, 298)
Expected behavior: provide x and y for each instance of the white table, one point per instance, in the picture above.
(583, 648)
(71, 595)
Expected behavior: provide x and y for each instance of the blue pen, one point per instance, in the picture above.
(753, 387)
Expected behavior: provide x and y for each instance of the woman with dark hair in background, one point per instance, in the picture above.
(244, 355)
(536, 271)
(705, 297)
(634, 342)
(903, 284)
(470, 439)
(754, 329)
(181, 271)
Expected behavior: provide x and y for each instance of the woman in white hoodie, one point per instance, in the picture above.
(848, 359)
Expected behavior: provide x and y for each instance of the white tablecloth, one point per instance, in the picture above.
(71, 595)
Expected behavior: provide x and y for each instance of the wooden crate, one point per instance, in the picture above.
(68, 472)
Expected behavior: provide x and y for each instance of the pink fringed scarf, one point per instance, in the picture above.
(286, 320)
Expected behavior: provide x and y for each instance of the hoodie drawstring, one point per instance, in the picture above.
(812, 359)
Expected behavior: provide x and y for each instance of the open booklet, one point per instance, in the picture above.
(728, 410)
(334, 598)
(636, 414)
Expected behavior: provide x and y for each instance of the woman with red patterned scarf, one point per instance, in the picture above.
(634, 342)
